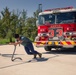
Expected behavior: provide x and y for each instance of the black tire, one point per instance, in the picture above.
(47, 48)
(75, 48)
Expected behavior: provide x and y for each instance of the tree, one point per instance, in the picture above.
(17, 22)
(30, 29)
(22, 22)
(5, 21)
(9, 21)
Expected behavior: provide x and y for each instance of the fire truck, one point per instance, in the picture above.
(56, 28)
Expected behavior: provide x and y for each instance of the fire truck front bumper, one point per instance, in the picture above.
(55, 43)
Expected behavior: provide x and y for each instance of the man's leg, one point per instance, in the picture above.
(28, 50)
(31, 48)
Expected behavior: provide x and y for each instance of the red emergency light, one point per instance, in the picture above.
(59, 8)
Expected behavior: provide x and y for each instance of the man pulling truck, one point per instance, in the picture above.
(28, 46)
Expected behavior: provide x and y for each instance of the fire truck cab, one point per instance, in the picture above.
(56, 28)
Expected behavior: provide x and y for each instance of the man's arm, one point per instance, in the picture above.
(16, 43)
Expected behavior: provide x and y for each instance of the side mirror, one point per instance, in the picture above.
(37, 23)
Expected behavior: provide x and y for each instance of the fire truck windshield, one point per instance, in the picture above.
(58, 18)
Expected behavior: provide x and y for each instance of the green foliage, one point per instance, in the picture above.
(6, 41)
(17, 22)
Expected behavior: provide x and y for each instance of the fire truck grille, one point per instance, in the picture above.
(55, 33)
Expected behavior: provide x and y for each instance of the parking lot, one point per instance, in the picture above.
(56, 62)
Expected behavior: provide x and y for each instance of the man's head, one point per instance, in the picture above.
(16, 36)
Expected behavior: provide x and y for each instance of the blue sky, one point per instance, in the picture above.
(32, 5)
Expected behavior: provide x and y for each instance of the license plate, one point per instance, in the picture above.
(54, 38)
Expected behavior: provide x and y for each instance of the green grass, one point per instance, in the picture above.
(5, 41)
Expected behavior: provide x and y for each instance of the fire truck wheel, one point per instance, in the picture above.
(47, 48)
(75, 47)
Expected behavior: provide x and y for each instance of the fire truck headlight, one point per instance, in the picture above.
(44, 34)
(37, 38)
(69, 34)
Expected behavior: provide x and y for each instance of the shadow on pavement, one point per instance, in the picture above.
(71, 51)
(29, 61)
(38, 60)
(9, 55)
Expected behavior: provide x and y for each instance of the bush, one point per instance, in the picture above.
(5, 41)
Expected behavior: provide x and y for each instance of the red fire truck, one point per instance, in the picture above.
(56, 28)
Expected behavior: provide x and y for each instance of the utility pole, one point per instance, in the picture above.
(40, 8)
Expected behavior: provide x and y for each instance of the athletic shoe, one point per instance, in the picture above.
(40, 55)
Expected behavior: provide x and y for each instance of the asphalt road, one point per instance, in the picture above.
(56, 62)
